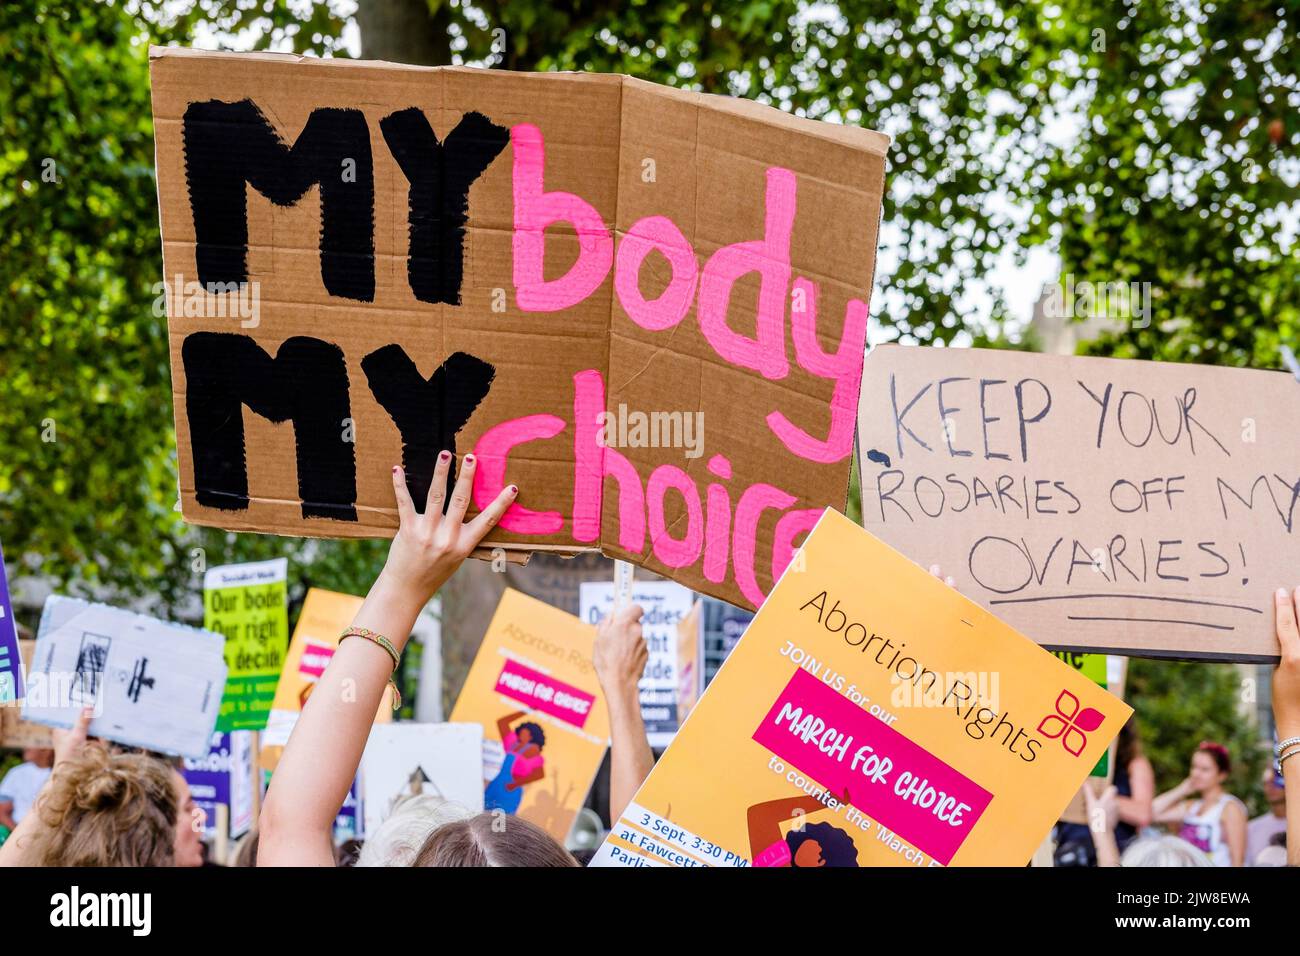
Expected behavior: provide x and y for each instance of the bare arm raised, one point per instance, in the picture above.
(321, 758)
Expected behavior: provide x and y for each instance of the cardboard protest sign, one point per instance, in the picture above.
(246, 603)
(870, 716)
(1137, 508)
(568, 275)
(665, 604)
(324, 616)
(222, 778)
(153, 684)
(11, 666)
(16, 733)
(1099, 505)
(442, 760)
(533, 689)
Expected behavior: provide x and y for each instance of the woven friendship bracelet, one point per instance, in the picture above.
(375, 637)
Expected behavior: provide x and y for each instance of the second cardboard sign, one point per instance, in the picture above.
(1135, 508)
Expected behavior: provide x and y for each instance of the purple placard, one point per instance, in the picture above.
(209, 780)
(11, 663)
(209, 777)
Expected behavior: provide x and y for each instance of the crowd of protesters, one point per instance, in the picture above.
(87, 803)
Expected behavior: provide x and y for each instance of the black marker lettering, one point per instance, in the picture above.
(428, 413)
(230, 144)
(306, 383)
(440, 175)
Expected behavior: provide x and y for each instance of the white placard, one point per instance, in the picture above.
(153, 684)
(445, 760)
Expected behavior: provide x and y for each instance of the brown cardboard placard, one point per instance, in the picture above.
(1137, 508)
(741, 239)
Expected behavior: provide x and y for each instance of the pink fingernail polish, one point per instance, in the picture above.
(469, 459)
(514, 489)
(444, 455)
(394, 469)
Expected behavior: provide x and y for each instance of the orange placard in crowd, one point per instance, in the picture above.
(545, 724)
(870, 716)
(325, 615)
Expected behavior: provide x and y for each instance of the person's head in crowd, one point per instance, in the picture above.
(413, 817)
(190, 849)
(42, 757)
(1274, 854)
(492, 839)
(1210, 767)
(22, 783)
(1163, 851)
(103, 808)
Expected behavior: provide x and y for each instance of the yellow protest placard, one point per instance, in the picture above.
(325, 615)
(545, 723)
(870, 716)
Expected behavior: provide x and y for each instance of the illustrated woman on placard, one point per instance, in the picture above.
(523, 763)
(812, 845)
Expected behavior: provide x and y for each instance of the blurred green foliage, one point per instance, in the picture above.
(87, 448)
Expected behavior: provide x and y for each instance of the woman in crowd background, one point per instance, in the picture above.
(1210, 818)
(19, 787)
(1135, 789)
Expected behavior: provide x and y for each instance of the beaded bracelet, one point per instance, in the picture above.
(376, 638)
(1283, 745)
(1282, 759)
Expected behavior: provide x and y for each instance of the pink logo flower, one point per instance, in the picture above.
(1071, 724)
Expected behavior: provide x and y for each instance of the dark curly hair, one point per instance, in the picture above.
(534, 732)
(837, 846)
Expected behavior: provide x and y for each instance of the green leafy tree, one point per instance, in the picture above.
(1185, 174)
(87, 448)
